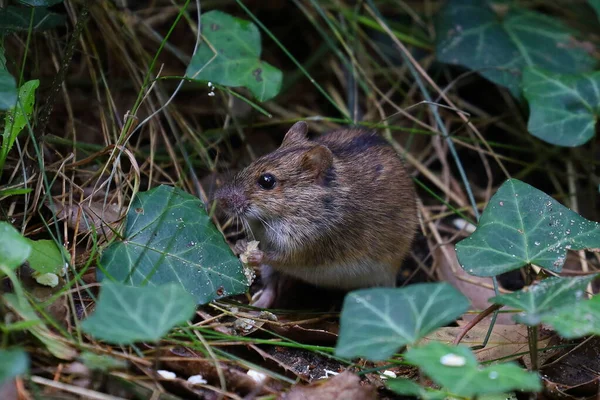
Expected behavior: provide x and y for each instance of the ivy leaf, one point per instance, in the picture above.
(578, 320)
(101, 362)
(8, 85)
(40, 3)
(23, 309)
(17, 19)
(595, 4)
(14, 248)
(13, 362)
(563, 108)
(547, 295)
(230, 56)
(522, 225)
(46, 257)
(169, 237)
(498, 42)
(125, 314)
(376, 322)
(455, 368)
(407, 387)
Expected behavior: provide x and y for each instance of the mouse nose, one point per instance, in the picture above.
(230, 200)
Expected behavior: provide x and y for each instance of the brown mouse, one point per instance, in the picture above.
(338, 211)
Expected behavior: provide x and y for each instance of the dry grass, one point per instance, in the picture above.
(115, 129)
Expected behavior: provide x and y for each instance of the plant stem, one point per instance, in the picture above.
(60, 76)
(532, 335)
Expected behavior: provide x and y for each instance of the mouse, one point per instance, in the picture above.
(337, 211)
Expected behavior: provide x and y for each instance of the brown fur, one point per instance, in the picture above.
(341, 199)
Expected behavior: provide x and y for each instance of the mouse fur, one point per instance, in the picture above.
(341, 212)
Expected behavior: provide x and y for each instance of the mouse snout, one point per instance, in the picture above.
(231, 200)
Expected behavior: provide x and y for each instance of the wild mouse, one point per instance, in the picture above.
(338, 211)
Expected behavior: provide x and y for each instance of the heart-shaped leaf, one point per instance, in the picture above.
(14, 248)
(407, 387)
(522, 225)
(8, 85)
(18, 19)
(231, 56)
(596, 6)
(563, 108)
(578, 320)
(544, 297)
(456, 369)
(40, 3)
(46, 257)
(498, 42)
(169, 237)
(13, 362)
(376, 322)
(21, 307)
(8, 90)
(101, 362)
(125, 314)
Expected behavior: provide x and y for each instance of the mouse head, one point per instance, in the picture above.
(281, 183)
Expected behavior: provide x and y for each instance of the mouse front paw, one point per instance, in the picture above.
(249, 252)
(275, 286)
(240, 247)
(265, 298)
(252, 258)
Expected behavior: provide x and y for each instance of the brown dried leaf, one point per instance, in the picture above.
(508, 341)
(9, 390)
(55, 344)
(323, 330)
(185, 362)
(304, 364)
(477, 289)
(345, 386)
(89, 214)
(574, 374)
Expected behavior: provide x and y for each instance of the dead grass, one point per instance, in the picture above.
(111, 134)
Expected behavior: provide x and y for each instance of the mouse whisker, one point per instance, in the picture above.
(264, 222)
(248, 229)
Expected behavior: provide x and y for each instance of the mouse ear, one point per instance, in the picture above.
(317, 160)
(296, 134)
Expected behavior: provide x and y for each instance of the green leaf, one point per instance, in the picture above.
(17, 19)
(13, 362)
(125, 314)
(231, 56)
(13, 192)
(376, 322)
(16, 119)
(22, 307)
(14, 248)
(595, 4)
(563, 108)
(578, 320)
(539, 299)
(46, 257)
(498, 42)
(407, 387)
(522, 225)
(455, 368)
(8, 85)
(170, 238)
(40, 3)
(47, 279)
(101, 362)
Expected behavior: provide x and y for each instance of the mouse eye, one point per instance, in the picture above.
(267, 181)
